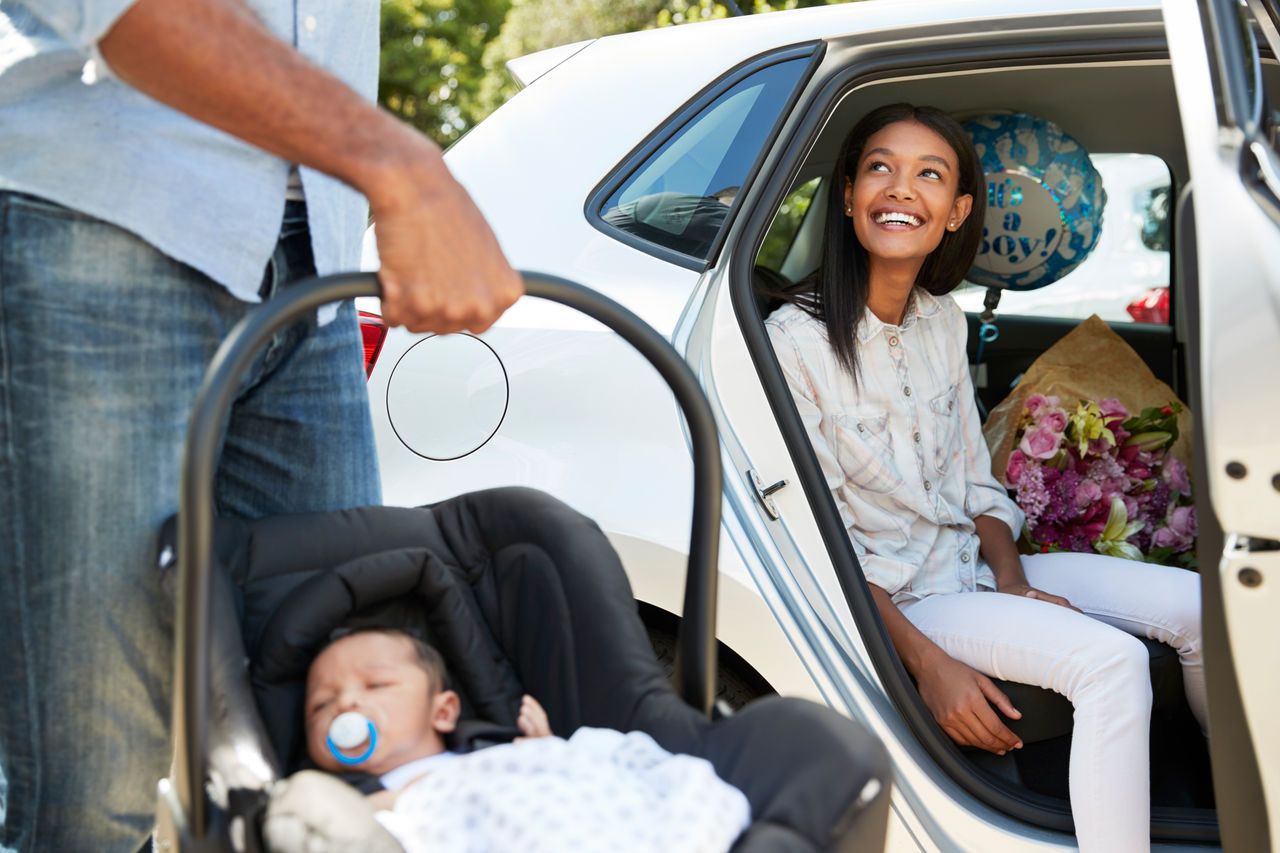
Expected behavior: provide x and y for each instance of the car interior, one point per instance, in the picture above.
(1115, 101)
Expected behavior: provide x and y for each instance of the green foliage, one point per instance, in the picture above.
(442, 60)
(676, 12)
(534, 25)
(782, 233)
(431, 65)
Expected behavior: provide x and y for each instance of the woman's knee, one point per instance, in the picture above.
(1119, 664)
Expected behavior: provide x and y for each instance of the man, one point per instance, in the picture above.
(147, 198)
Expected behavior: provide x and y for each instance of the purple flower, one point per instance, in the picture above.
(1183, 520)
(1180, 530)
(1175, 474)
(1040, 443)
(1032, 496)
(1013, 472)
(1113, 407)
(1138, 471)
(1088, 493)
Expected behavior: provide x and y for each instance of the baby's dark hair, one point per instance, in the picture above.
(431, 661)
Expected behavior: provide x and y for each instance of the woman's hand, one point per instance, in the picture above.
(532, 720)
(1029, 591)
(960, 699)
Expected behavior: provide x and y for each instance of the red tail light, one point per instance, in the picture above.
(374, 333)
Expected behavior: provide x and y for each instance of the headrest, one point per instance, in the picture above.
(411, 589)
(1044, 202)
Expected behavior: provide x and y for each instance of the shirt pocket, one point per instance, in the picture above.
(946, 429)
(865, 452)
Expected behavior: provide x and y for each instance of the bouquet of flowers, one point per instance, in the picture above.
(1093, 478)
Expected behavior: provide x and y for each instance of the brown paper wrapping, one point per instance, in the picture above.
(1091, 362)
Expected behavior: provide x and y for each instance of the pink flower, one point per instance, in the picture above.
(1180, 530)
(1054, 419)
(1040, 443)
(1088, 493)
(1113, 407)
(1175, 475)
(1183, 520)
(1036, 402)
(1017, 464)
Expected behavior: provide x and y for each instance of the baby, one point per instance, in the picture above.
(397, 683)
(376, 702)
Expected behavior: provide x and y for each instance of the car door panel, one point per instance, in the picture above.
(1222, 100)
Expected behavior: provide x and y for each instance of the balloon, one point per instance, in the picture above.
(1044, 202)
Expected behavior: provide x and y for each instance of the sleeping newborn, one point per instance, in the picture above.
(376, 702)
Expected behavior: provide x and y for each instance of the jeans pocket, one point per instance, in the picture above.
(35, 205)
(865, 452)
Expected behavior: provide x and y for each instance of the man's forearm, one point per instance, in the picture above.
(442, 268)
(215, 61)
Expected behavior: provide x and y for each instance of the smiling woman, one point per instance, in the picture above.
(932, 528)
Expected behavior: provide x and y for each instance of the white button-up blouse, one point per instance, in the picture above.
(902, 451)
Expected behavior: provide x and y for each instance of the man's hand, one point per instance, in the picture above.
(1028, 591)
(960, 699)
(442, 268)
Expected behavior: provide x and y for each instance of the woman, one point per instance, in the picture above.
(874, 353)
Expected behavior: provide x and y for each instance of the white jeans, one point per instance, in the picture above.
(1102, 670)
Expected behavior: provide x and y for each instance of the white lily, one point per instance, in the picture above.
(1114, 539)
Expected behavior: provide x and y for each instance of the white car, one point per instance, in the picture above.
(663, 168)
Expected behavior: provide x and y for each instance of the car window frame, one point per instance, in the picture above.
(636, 159)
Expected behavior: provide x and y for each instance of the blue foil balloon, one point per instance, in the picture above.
(1044, 202)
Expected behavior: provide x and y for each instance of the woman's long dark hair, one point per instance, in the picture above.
(836, 293)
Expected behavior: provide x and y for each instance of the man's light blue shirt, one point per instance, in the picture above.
(73, 134)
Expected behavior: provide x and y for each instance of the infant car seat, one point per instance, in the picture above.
(519, 592)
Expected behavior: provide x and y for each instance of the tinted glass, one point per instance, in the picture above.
(680, 196)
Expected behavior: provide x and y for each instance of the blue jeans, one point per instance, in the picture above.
(103, 343)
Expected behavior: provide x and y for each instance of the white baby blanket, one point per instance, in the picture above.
(600, 790)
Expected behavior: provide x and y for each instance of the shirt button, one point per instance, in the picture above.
(893, 340)
(927, 485)
(907, 390)
(916, 436)
(861, 428)
(310, 23)
(964, 558)
(951, 404)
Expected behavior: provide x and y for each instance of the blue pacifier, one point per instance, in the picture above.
(348, 731)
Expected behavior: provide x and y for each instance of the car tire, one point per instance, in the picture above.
(732, 687)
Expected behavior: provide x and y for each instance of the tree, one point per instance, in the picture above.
(534, 25)
(431, 65)
(676, 12)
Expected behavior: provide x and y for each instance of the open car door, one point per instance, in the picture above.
(1228, 85)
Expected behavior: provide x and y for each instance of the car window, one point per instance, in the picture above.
(1125, 279)
(681, 194)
